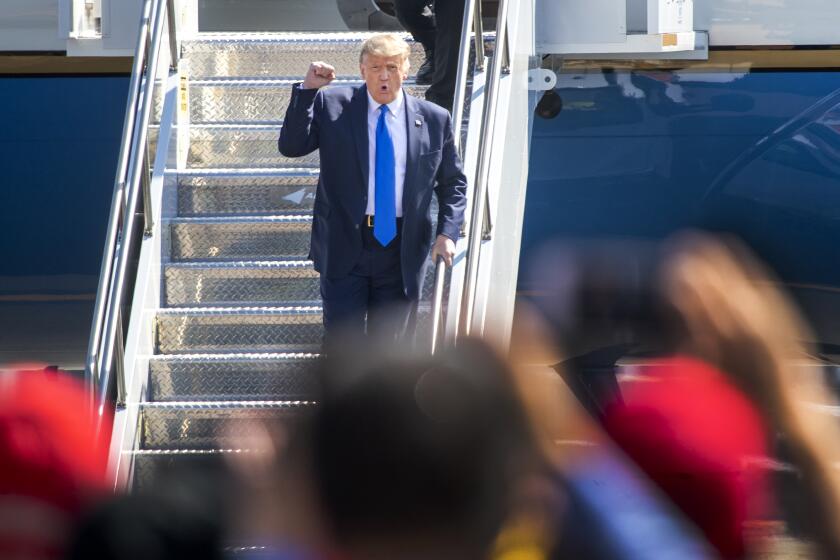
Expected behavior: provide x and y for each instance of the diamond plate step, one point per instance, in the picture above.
(151, 465)
(279, 54)
(246, 192)
(232, 377)
(272, 57)
(241, 283)
(241, 238)
(239, 101)
(238, 146)
(203, 425)
(239, 329)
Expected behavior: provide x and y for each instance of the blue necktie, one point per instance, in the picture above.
(385, 221)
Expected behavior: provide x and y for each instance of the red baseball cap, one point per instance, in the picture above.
(52, 464)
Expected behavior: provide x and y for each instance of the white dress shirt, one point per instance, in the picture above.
(395, 120)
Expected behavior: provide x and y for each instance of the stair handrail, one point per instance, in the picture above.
(479, 214)
(132, 176)
(472, 20)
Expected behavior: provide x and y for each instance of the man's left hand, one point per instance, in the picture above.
(444, 247)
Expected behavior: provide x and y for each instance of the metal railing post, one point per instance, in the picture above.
(480, 188)
(120, 365)
(92, 371)
(472, 13)
(140, 138)
(437, 302)
(487, 226)
(149, 220)
(505, 56)
(463, 69)
(174, 42)
(133, 179)
(479, 37)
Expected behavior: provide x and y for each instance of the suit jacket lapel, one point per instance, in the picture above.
(360, 131)
(413, 132)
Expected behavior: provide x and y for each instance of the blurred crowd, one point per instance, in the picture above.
(656, 402)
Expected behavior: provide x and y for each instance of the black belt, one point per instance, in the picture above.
(369, 221)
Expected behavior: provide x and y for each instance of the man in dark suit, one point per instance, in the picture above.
(382, 153)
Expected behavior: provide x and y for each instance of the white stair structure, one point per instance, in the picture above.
(212, 320)
(240, 314)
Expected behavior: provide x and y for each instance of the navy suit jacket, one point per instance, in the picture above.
(335, 120)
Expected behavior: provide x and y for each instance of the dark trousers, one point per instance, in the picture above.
(370, 299)
(441, 32)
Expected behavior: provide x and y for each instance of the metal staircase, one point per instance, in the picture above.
(207, 319)
(240, 317)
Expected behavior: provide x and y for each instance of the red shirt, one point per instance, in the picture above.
(698, 438)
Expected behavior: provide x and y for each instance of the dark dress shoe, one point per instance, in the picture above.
(427, 70)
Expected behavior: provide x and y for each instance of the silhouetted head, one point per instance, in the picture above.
(418, 449)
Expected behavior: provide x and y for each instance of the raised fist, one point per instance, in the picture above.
(319, 75)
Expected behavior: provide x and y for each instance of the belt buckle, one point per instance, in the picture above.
(369, 221)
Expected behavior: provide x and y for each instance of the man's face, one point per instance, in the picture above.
(383, 75)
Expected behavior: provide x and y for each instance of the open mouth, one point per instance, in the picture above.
(383, 88)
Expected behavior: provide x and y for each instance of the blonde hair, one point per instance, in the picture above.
(387, 45)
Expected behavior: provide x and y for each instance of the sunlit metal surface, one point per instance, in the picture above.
(287, 329)
(252, 101)
(241, 146)
(255, 55)
(258, 238)
(241, 283)
(247, 194)
(153, 465)
(250, 193)
(208, 425)
(232, 377)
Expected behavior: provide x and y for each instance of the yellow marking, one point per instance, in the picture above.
(669, 39)
(183, 91)
(184, 429)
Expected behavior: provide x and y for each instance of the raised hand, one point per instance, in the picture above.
(319, 75)
(735, 318)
